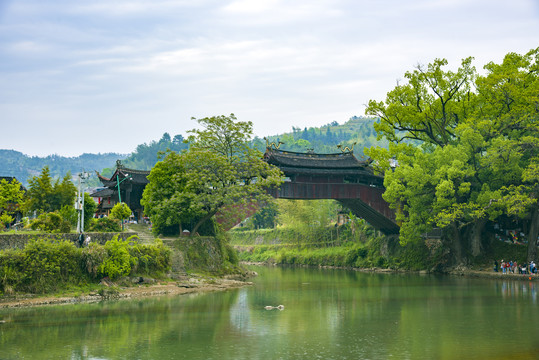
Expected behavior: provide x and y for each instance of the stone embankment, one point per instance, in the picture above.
(19, 241)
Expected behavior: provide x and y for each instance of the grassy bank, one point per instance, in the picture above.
(46, 266)
(208, 255)
(360, 249)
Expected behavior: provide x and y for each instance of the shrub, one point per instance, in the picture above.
(91, 259)
(47, 266)
(117, 261)
(51, 222)
(150, 258)
(105, 225)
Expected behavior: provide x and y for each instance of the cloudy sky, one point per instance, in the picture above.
(106, 75)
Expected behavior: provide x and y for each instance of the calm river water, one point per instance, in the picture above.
(329, 314)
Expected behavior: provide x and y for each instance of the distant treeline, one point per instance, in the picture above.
(324, 139)
(23, 167)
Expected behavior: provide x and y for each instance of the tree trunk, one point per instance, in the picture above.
(202, 221)
(532, 238)
(456, 245)
(477, 231)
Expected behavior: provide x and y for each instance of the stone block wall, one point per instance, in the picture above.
(19, 241)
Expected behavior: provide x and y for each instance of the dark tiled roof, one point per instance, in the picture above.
(339, 161)
(137, 176)
(103, 193)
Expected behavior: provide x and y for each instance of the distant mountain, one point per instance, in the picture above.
(23, 167)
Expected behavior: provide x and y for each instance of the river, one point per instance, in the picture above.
(328, 314)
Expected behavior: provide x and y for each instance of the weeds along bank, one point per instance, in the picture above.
(208, 255)
(329, 247)
(47, 266)
(363, 248)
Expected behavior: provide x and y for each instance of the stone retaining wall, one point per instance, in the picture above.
(19, 241)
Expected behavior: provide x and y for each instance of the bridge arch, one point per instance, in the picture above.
(339, 176)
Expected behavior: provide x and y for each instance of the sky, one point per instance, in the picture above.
(97, 76)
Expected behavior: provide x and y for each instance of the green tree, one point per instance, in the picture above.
(5, 220)
(51, 222)
(120, 211)
(11, 195)
(165, 199)
(39, 192)
(44, 196)
(473, 157)
(90, 207)
(219, 170)
(265, 217)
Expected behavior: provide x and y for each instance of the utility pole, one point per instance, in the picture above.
(80, 202)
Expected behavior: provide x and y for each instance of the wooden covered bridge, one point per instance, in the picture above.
(341, 177)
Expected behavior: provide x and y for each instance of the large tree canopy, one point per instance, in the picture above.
(218, 170)
(474, 150)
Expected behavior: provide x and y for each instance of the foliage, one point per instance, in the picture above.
(150, 259)
(46, 266)
(307, 214)
(104, 224)
(378, 252)
(147, 155)
(120, 211)
(477, 154)
(5, 220)
(44, 196)
(117, 262)
(69, 213)
(164, 194)
(218, 170)
(212, 255)
(11, 195)
(90, 207)
(358, 130)
(51, 222)
(265, 217)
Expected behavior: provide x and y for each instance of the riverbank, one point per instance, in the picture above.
(188, 286)
(459, 271)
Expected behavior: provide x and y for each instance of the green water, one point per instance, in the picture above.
(329, 314)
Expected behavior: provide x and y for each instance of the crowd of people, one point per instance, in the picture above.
(512, 267)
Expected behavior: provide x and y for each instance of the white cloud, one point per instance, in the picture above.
(140, 68)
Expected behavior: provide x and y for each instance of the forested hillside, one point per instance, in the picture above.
(23, 167)
(322, 139)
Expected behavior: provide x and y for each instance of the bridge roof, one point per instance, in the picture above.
(339, 163)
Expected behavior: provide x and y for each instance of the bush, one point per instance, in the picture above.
(91, 259)
(47, 266)
(105, 225)
(51, 222)
(150, 259)
(117, 261)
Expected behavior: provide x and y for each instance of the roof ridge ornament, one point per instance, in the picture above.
(119, 164)
(346, 148)
(272, 145)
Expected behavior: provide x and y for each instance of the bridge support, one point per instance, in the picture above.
(364, 211)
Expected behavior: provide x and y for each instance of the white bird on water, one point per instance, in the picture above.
(269, 307)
